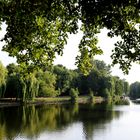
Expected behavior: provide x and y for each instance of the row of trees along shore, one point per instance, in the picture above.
(38, 30)
(60, 81)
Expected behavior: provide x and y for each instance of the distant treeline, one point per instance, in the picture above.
(135, 90)
(60, 81)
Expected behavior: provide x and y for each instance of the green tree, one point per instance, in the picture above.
(3, 76)
(74, 94)
(30, 87)
(37, 30)
(135, 90)
(98, 79)
(91, 96)
(106, 93)
(12, 69)
(118, 86)
(110, 84)
(64, 79)
(126, 87)
(13, 88)
(102, 67)
(20, 84)
(47, 81)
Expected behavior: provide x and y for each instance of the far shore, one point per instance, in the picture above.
(9, 102)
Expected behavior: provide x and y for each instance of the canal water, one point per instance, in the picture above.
(71, 122)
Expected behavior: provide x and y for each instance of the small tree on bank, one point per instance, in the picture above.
(74, 94)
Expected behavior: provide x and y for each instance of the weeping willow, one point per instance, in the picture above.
(3, 75)
(30, 87)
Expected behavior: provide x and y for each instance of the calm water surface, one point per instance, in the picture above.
(70, 122)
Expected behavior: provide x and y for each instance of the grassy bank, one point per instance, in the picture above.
(50, 100)
(6, 102)
(81, 99)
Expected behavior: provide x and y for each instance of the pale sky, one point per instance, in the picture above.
(106, 44)
(71, 50)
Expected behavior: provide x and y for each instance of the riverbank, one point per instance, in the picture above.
(55, 100)
(7, 102)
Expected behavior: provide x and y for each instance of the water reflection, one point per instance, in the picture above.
(95, 120)
(38, 122)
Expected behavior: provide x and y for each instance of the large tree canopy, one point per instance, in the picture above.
(37, 30)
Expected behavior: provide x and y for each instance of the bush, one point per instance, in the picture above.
(91, 96)
(46, 90)
(74, 94)
(106, 94)
(122, 102)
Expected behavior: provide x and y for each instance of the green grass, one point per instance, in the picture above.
(53, 100)
(81, 99)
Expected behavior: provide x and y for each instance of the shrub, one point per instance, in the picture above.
(106, 94)
(91, 96)
(74, 94)
(46, 90)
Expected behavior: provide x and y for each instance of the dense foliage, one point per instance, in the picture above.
(3, 74)
(60, 81)
(135, 90)
(38, 30)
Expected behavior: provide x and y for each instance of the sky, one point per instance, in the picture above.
(71, 51)
(107, 45)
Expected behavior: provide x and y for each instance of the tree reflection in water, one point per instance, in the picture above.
(32, 121)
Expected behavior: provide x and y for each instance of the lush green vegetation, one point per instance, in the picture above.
(60, 81)
(3, 74)
(135, 90)
(38, 30)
